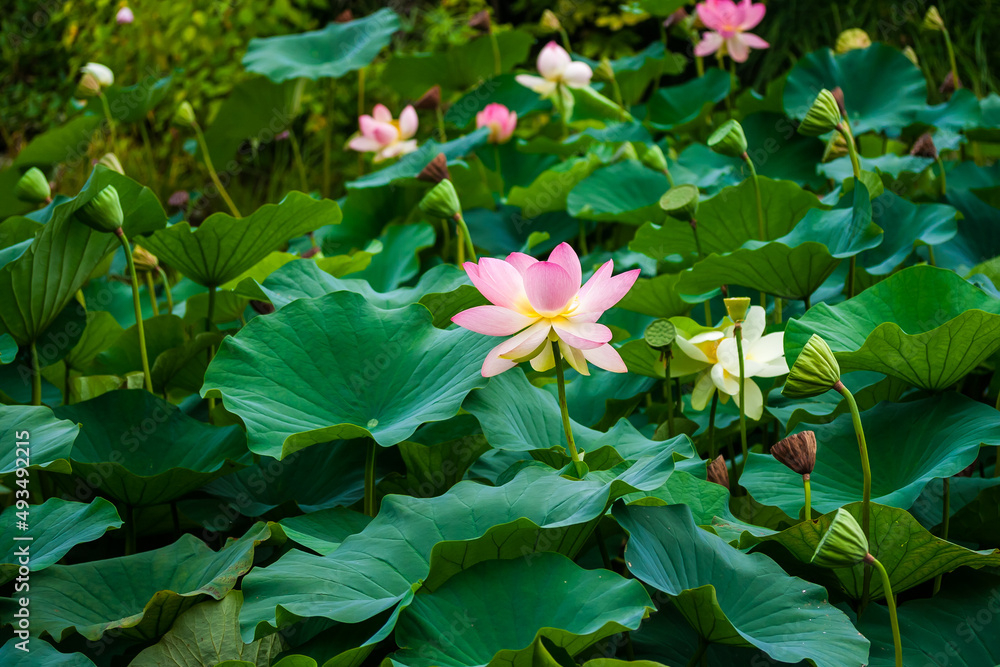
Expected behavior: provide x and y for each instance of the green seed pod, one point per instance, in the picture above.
(814, 372)
(680, 202)
(932, 20)
(88, 86)
(660, 334)
(103, 212)
(652, 156)
(184, 115)
(737, 307)
(729, 139)
(111, 161)
(822, 117)
(843, 544)
(441, 201)
(33, 187)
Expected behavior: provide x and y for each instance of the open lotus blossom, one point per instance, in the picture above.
(543, 302)
(728, 24)
(500, 120)
(556, 66)
(715, 351)
(102, 73)
(124, 16)
(385, 136)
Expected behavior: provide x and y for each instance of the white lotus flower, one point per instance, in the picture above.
(102, 73)
(556, 66)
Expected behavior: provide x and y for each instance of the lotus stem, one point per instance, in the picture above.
(697, 242)
(743, 419)
(464, 229)
(147, 377)
(891, 602)
(945, 521)
(699, 655)
(866, 471)
(200, 137)
(778, 316)
(712, 452)
(166, 290)
(210, 317)
(36, 376)
(440, 121)
(761, 229)
(951, 59)
(944, 178)
(109, 117)
(808, 492)
(565, 39)
(602, 547)
(497, 63)
(151, 288)
(459, 246)
(297, 155)
(563, 407)
(370, 508)
(668, 394)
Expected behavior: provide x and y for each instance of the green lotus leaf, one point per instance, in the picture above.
(906, 226)
(130, 104)
(459, 68)
(656, 297)
(398, 261)
(512, 605)
(141, 450)
(432, 539)
(908, 551)
(507, 230)
(50, 438)
(882, 89)
(979, 519)
(960, 112)
(786, 617)
(977, 240)
(597, 399)
(503, 89)
(924, 325)
(519, 417)
(223, 247)
(700, 166)
(332, 52)
(668, 638)
(139, 595)
(868, 388)
(909, 444)
(8, 349)
(550, 189)
(676, 105)
(625, 192)
(121, 353)
(209, 634)
(728, 220)
(635, 73)
(411, 164)
(256, 110)
(325, 530)
(100, 333)
(779, 152)
(40, 654)
(36, 287)
(891, 164)
(293, 391)
(55, 526)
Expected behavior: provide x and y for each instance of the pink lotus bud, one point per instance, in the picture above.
(124, 16)
(500, 120)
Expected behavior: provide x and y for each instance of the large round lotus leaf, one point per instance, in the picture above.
(36, 286)
(55, 527)
(139, 595)
(208, 634)
(779, 152)
(513, 605)
(977, 240)
(734, 598)
(924, 325)
(39, 654)
(908, 551)
(633, 74)
(676, 105)
(728, 220)
(905, 226)
(336, 367)
(883, 90)
(223, 247)
(325, 530)
(507, 229)
(256, 109)
(334, 51)
(141, 450)
(909, 444)
(432, 539)
(890, 163)
(50, 438)
(549, 190)
(624, 192)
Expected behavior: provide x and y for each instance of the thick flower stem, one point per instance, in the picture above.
(946, 519)
(808, 491)
(370, 509)
(891, 602)
(743, 418)
(668, 393)
(440, 122)
(866, 471)
(108, 116)
(147, 377)
(583, 238)
(459, 247)
(166, 291)
(210, 317)
(944, 178)
(697, 658)
(212, 173)
(563, 407)
(36, 376)
(464, 230)
(151, 288)
(497, 62)
(852, 150)
(951, 60)
(761, 229)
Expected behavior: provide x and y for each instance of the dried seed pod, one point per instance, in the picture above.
(436, 170)
(717, 471)
(797, 451)
(430, 100)
(924, 147)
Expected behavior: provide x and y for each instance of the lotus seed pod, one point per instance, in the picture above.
(436, 170)
(111, 161)
(441, 201)
(843, 544)
(737, 307)
(103, 212)
(652, 156)
(717, 472)
(814, 372)
(851, 39)
(836, 147)
(797, 451)
(144, 260)
(932, 20)
(481, 21)
(33, 187)
(822, 117)
(660, 334)
(680, 202)
(924, 147)
(729, 139)
(430, 100)
(184, 115)
(550, 21)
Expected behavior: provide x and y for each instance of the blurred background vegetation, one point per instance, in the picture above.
(43, 43)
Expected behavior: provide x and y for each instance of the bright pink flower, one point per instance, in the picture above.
(124, 15)
(385, 136)
(729, 23)
(556, 66)
(500, 120)
(543, 302)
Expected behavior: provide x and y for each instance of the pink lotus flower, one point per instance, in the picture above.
(124, 16)
(729, 23)
(500, 120)
(545, 303)
(384, 136)
(556, 66)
